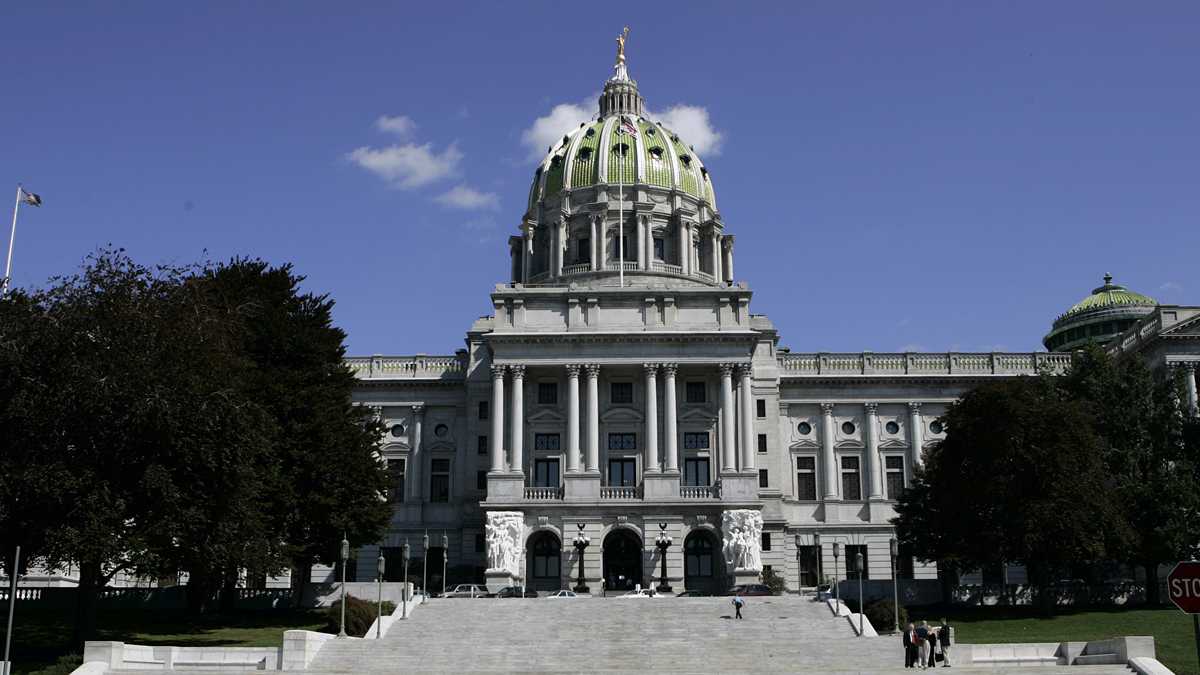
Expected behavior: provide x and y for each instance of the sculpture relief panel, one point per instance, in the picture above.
(742, 532)
(503, 533)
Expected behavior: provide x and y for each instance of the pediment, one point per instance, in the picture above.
(395, 446)
(1187, 327)
(804, 444)
(621, 415)
(892, 443)
(547, 415)
(441, 445)
(848, 443)
(703, 414)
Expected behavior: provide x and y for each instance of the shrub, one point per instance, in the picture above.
(63, 666)
(360, 614)
(881, 614)
(773, 581)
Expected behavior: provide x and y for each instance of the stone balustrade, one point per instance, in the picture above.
(949, 363)
(419, 367)
(699, 492)
(543, 494)
(620, 493)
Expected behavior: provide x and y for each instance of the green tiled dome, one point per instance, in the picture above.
(1100, 317)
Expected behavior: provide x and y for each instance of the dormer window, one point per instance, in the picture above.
(621, 149)
(556, 162)
(651, 131)
(584, 154)
(686, 160)
(656, 153)
(590, 132)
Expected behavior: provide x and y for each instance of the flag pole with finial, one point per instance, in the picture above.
(12, 235)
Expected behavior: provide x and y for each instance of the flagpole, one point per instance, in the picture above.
(11, 237)
(620, 211)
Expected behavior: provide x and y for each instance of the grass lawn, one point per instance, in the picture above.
(1172, 629)
(42, 637)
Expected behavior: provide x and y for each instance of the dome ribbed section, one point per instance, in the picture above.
(1107, 312)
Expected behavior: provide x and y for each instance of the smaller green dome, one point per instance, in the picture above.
(1100, 317)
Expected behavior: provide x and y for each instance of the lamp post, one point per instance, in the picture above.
(894, 547)
(380, 564)
(820, 577)
(12, 602)
(445, 556)
(582, 541)
(858, 564)
(663, 543)
(837, 551)
(425, 564)
(799, 570)
(406, 594)
(345, 560)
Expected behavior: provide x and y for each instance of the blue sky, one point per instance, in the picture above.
(918, 175)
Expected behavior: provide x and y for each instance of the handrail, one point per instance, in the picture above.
(923, 363)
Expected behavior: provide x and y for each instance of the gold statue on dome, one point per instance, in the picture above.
(621, 45)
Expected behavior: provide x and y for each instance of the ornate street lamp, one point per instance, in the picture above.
(894, 547)
(406, 594)
(425, 564)
(445, 557)
(799, 569)
(380, 563)
(345, 561)
(663, 543)
(582, 541)
(820, 554)
(858, 564)
(837, 551)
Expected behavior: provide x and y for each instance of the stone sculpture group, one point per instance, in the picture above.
(504, 533)
(742, 529)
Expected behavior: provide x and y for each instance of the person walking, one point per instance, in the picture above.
(737, 606)
(910, 647)
(922, 640)
(944, 641)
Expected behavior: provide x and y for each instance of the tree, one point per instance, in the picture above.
(1137, 416)
(1018, 478)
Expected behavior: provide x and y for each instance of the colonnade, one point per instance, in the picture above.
(874, 470)
(587, 457)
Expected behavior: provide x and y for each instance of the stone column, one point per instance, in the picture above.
(915, 433)
(874, 471)
(596, 229)
(573, 418)
(418, 456)
(517, 425)
(749, 447)
(728, 241)
(644, 254)
(556, 248)
(496, 442)
(716, 256)
(651, 370)
(649, 234)
(526, 251)
(727, 442)
(828, 459)
(593, 419)
(1189, 380)
(683, 246)
(602, 259)
(670, 431)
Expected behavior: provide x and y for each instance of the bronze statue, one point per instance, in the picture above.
(621, 45)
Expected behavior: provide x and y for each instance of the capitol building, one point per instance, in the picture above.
(622, 392)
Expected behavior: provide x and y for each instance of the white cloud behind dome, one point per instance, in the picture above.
(465, 197)
(408, 166)
(694, 127)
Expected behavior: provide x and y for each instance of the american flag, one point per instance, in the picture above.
(627, 127)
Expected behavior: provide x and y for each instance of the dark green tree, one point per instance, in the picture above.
(1018, 478)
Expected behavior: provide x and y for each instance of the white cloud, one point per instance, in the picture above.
(1171, 287)
(911, 347)
(401, 125)
(694, 127)
(465, 197)
(548, 129)
(408, 166)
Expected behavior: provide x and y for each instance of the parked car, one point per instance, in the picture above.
(694, 594)
(561, 594)
(468, 591)
(749, 589)
(643, 593)
(516, 592)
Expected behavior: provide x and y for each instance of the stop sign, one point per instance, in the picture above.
(1183, 586)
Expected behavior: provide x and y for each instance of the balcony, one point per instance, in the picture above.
(699, 491)
(543, 494)
(620, 493)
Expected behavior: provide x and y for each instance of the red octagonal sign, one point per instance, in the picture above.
(1183, 586)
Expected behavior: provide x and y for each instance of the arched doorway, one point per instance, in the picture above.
(702, 563)
(544, 564)
(622, 560)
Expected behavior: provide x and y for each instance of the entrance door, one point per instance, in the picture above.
(622, 560)
(545, 562)
(700, 564)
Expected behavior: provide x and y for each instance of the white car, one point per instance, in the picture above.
(468, 591)
(643, 593)
(562, 594)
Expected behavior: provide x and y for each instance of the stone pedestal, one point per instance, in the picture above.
(581, 487)
(662, 485)
(745, 576)
(505, 488)
(739, 487)
(498, 579)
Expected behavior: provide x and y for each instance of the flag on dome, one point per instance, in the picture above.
(30, 198)
(627, 127)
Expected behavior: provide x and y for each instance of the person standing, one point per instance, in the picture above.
(944, 641)
(737, 606)
(922, 633)
(933, 645)
(910, 647)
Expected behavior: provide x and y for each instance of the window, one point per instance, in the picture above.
(851, 485)
(546, 442)
(804, 428)
(936, 427)
(483, 410)
(892, 427)
(481, 445)
(848, 428)
(621, 472)
(895, 475)
(660, 249)
(760, 408)
(806, 478)
(695, 440)
(852, 571)
(762, 479)
(481, 480)
(696, 392)
(547, 393)
(545, 473)
(766, 541)
(808, 565)
(397, 430)
(439, 480)
(441, 431)
(479, 541)
(621, 392)
(622, 441)
(395, 469)
(546, 558)
(583, 251)
(762, 442)
(695, 471)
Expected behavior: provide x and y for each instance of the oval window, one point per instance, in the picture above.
(847, 428)
(936, 427)
(397, 430)
(804, 428)
(441, 430)
(892, 428)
